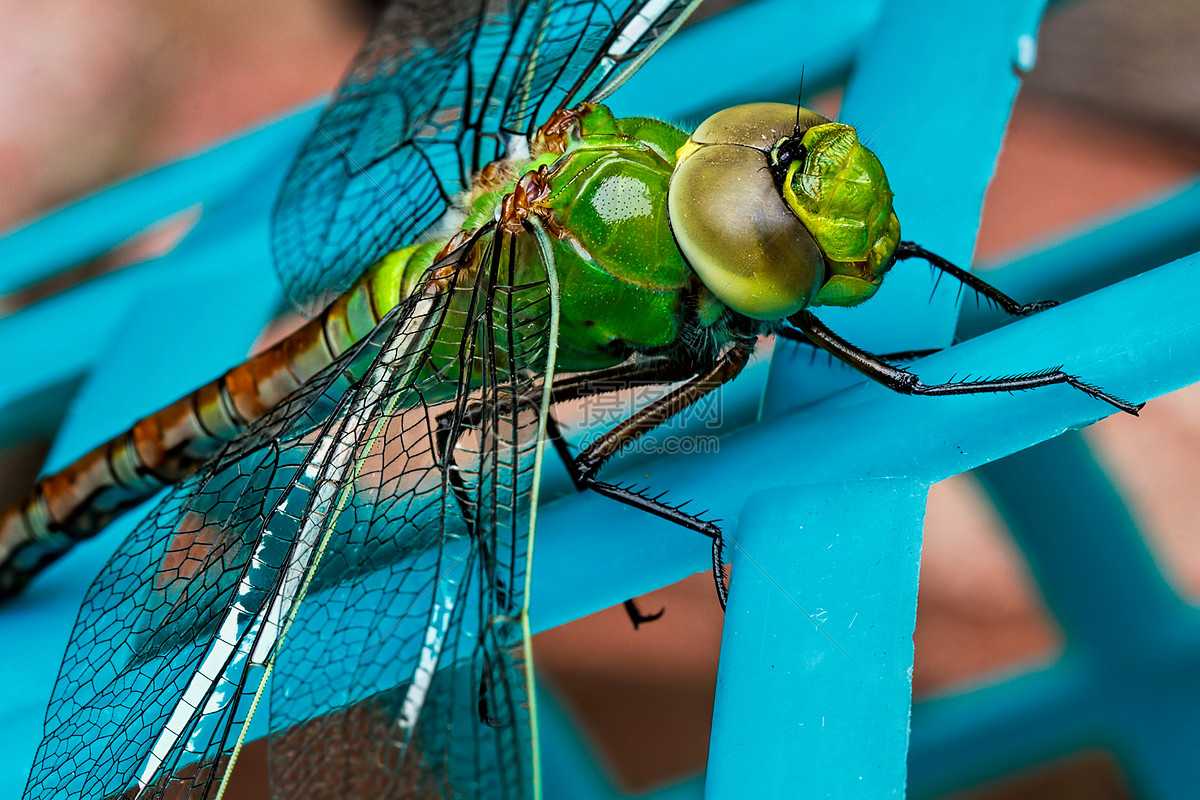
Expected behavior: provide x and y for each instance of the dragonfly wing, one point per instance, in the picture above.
(238, 571)
(385, 158)
(585, 50)
(174, 636)
(432, 96)
(419, 634)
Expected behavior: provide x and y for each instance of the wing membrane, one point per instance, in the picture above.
(342, 499)
(586, 50)
(173, 637)
(445, 629)
(431, 97)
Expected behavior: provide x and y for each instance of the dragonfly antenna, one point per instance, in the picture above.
(879, 130)
(799, 101)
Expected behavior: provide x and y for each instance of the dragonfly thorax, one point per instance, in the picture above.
(625, 285)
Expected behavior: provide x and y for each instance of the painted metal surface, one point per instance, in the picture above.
(816, 655)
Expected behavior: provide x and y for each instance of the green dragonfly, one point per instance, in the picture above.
(346, 547)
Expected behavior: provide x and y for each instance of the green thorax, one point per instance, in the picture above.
(624, 285)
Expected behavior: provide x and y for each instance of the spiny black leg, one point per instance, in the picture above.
(906, 250)
(483, 705)
(656, 371)
(676, 514)
(793, 335)
(637, 617)
(571, 387)
(693, 522)
(582, 472)
(724, 369)
(585, 466)
(445, 455)
(626, 376)
(649, 372)
(653, 372)
(905, 382)
(558, 441)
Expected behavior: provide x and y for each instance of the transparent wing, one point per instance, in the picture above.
(584, 50)
(431, 97)
(242, 574)
(432, 699)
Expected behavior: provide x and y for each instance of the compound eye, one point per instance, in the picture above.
(743, 242)
(757, 125)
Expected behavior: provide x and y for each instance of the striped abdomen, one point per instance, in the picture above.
(166, 446)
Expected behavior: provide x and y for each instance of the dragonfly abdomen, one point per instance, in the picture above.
(159, 450)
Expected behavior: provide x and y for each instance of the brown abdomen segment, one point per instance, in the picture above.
(167, 446)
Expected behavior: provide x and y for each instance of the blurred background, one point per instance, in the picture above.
(93, 90)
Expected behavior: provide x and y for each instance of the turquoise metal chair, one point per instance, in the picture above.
(822, 490)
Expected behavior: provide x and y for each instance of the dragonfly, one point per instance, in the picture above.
(345, 545)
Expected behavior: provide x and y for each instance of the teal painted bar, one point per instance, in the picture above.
(1132, 645)
(957, 89)
(95, 224)
(1097, 575)
(748, 53)
(1117, 612)
(815, 680)
(1096, 254)
(981, 735)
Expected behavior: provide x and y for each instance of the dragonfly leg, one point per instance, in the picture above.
(637, 617)
(654, 372)
(555, 436)
(445, 455)
(572, 387)
(693, 522)
(651, 372)
(906, 250)
(905, 382)
(586, 465)
(793, 335)
(724, 369)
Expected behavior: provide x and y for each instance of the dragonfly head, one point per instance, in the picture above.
(838, 189)
(777, 208)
